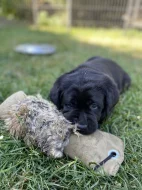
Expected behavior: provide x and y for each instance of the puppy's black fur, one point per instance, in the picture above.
(87, 94)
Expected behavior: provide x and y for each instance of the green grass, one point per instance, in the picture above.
(24, 168)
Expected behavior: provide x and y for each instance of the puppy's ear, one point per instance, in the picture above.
(56, 93)
(111, 97)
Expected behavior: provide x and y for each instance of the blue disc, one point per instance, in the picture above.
(35, 49)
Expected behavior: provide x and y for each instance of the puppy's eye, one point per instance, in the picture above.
(68, 105)
(94, 106)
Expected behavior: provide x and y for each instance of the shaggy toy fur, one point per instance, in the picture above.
(39, 123)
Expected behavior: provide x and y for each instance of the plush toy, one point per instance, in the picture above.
(39, 123)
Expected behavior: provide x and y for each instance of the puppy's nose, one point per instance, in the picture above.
(81, 127)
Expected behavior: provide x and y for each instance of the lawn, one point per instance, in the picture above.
(23, 168)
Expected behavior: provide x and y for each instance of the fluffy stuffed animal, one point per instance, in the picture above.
(39, 123)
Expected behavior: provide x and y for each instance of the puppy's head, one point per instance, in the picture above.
(84, 99)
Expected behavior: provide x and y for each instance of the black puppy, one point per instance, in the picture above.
(87, 94)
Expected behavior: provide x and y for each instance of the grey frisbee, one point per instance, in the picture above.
(35, 49)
